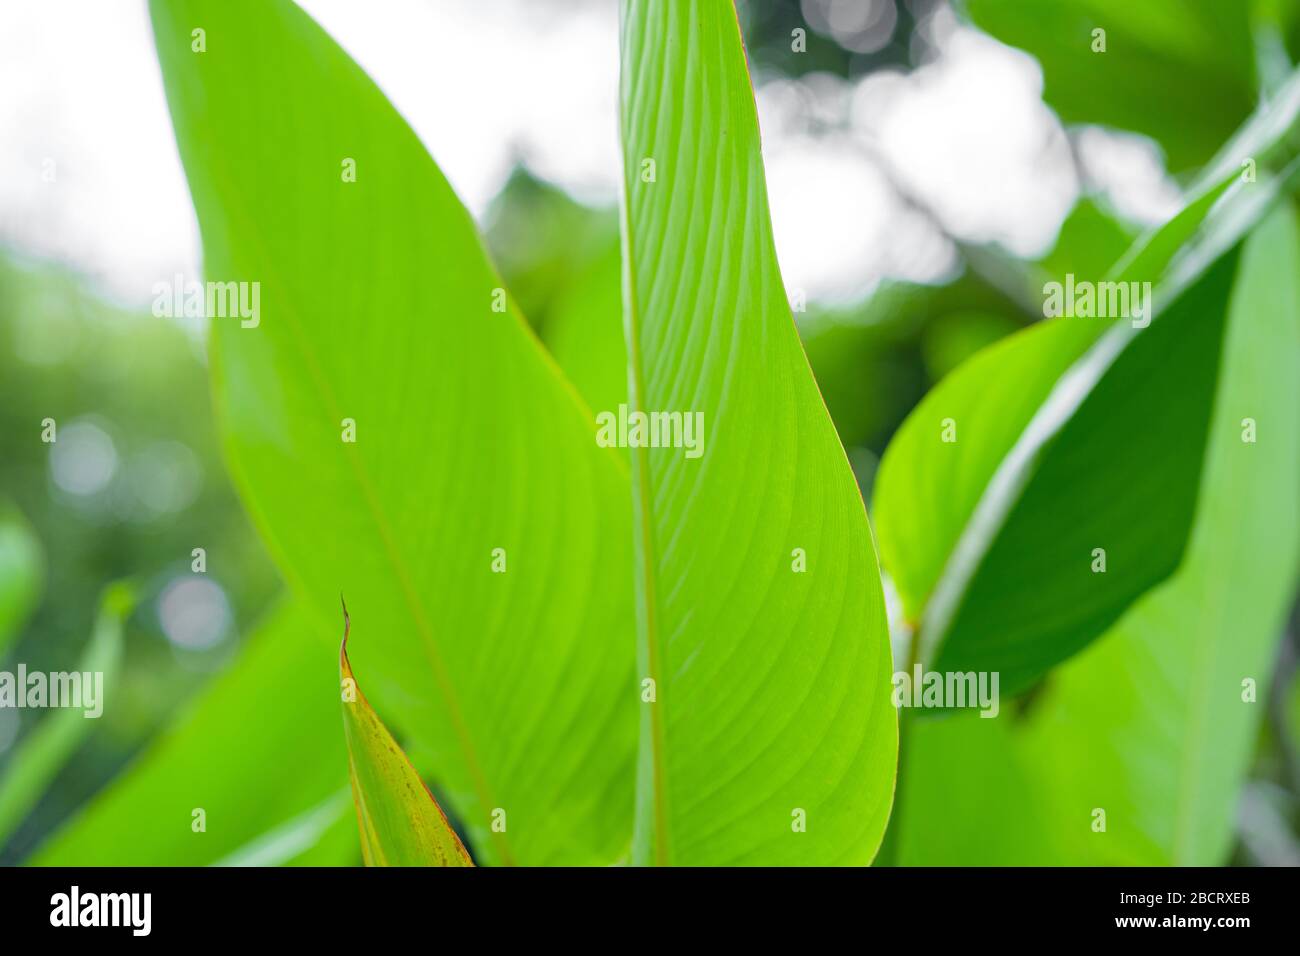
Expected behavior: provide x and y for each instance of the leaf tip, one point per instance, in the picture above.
(347, 626)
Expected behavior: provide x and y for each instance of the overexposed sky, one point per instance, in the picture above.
(488, 83)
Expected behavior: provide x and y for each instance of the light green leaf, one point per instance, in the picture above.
(22, 573)
(771, 684)
(257, 751)
(1152, 723)
(41, 754)
(470, 449)
(401, 823)
(1180, 71)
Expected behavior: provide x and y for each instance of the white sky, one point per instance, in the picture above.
(488, 82)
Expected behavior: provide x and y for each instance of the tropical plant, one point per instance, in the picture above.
(645, 655)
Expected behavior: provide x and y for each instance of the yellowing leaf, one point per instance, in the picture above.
(401, 823)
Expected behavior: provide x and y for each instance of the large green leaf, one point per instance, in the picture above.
(258, 752)
(1180, 71)
(401, 823)
(377, 307)
(772, 685)
(22, 573)
(1152, 723)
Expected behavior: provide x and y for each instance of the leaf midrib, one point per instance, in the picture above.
(642, 501)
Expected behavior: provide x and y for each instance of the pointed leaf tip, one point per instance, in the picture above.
(400, 821)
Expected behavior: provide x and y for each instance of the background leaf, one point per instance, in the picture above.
(258, 751)
(772, 684)
(376, 301)
(1120, 475)
(1150, 723)
(59, 732)
(927, 490)
(1163, 63)
(585, 331)
(323, 835)
(959, 523)
(22, 573)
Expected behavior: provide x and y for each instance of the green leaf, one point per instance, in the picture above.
(1109, 479)
(863, 357)
(771, 685)
(22, 573)
(585, 332)
(1049, 466)
(1151, 724)
(227, 756)
(1180, 71)
(42, 753)
(955, 337)
(927, 490)
(401, 823)
(1155, 717)
(542, 240)
(968, 799)
(377, 307)
(1090, 240)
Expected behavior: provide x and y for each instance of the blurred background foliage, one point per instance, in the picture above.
(135, 481)
(132, 485)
